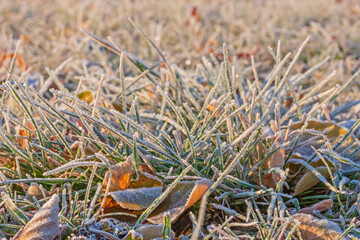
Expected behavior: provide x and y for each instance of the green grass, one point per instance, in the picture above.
(188, 113)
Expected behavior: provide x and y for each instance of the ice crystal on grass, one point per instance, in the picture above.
(245, 144)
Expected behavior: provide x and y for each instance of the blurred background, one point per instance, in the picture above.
(184, 31)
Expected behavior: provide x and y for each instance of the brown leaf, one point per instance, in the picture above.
(147, 168)
(152, 231)
(136, 199)
(315, 134)
(268, 180)
(312, 228)
(86, 96)
(145, 180)
(309, 180)
(278, 159)
(321, 206)
(35, 191)
(121, 175)
(183, 196)
(25, 134)
(44, 224)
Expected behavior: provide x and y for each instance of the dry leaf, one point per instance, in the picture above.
(268, 180)
(121, 175)
(321, 206)
(315, 134)
(25, 134)
(312, 228)
(86, 96)
(145, 180)
(44, 224)
(183, 196)
(147, 168)
(133, 235)
(277, 159)
(35, 191)
(152, 231)
(136, 199)
(309, 180)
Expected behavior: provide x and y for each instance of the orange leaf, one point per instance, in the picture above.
(86, 96)
(268, 180)
(21, 62)
(317, 132)
(121, 175)
(145, 180)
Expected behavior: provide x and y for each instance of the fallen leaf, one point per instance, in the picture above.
(183, 196)
(86, 96)
(268, 180)
(44, 224)
(19, 59)
(145, 180)
(121, 175)
(277, 159)
(152, 231)
(133, 235)
(35, 191)
(317, 133)
(312, 228)
(136, 199)
(321, 206)
(147, 168)
(309, 180)
(24, 133)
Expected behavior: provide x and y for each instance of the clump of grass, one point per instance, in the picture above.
(211, 121)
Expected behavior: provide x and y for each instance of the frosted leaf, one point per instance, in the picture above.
(136, 199)
(312, 228)
(44, 224)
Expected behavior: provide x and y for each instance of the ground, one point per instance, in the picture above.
(179, 119)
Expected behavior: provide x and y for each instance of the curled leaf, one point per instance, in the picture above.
(44, 224)
(312, 228)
